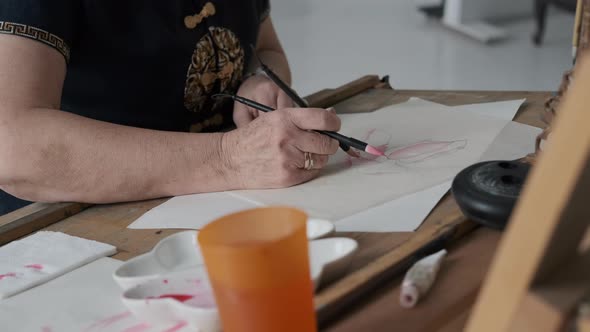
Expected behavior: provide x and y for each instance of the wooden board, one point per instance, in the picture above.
(108, 223)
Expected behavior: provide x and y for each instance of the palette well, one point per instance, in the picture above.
(177, 253)
(185, 297)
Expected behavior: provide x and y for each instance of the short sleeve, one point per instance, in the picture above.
(51, 22)
(263, 9)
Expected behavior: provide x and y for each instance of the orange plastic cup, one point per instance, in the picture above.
(258, 265)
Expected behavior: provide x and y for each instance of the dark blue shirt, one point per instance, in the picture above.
(137, 63)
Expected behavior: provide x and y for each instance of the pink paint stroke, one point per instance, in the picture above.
(177, 327)
(7, 275)
(138, 328)
(34, 266)
(419, 148)
(165, 281)
(46, 329)
(109, 321)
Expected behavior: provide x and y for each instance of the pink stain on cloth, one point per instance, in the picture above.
(34, 266)
(138, 328)
(104, 323)
(8, 275)
(44, 256)
(177, 327)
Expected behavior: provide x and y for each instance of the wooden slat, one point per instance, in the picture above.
(331, 97)
(33, 218)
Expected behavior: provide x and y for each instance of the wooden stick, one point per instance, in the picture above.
(331, 97)
(35, 217)
(330, 302)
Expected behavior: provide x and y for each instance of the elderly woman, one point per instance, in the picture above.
(109, 101)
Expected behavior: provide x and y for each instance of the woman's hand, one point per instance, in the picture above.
(269, 152)
(260, 89)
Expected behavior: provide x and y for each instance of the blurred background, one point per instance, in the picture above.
(331, 42)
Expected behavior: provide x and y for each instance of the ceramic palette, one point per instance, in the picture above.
(170, 283)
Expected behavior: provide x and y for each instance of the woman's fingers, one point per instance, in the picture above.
(316, 143)
(242, 116)
(319, 161)
(314, 119)
(283, 101)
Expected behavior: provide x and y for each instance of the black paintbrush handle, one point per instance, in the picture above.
(343, 140)
(283, 86)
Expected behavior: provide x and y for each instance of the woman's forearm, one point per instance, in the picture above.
(277, 60)
(271, 51)
(50, 155)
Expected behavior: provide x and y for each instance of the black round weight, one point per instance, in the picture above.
(487, 192)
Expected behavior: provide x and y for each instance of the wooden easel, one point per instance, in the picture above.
(541, 271)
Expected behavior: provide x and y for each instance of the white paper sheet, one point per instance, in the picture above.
(426, 147)
(404, 214)
(43, 256)
(86, 299)
(191, 211)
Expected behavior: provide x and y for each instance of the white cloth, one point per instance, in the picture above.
(44, 256)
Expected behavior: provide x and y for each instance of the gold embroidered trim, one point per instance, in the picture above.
(41, 35)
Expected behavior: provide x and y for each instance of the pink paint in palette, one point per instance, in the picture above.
(199, 300)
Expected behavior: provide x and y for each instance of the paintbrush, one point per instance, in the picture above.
(292, 94)
(348, 141)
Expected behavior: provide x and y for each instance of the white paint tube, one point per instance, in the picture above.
(420, 278)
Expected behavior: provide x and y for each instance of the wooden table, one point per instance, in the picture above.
(445, 309)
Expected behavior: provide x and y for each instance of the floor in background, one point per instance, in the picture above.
(331, 42)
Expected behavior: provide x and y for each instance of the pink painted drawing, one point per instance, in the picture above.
(424, 150)
(397, 158)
